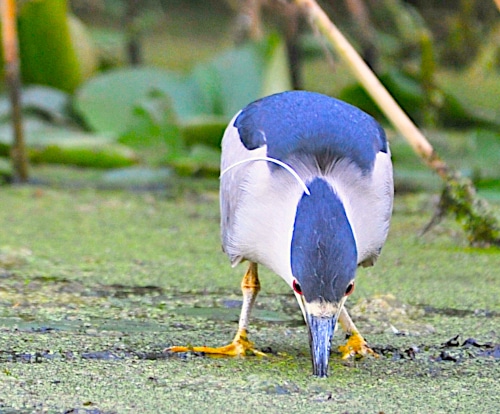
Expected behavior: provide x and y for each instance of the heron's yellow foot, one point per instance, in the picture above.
(356, 346)
(240, 346)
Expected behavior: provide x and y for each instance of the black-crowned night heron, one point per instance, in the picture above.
(306, 190)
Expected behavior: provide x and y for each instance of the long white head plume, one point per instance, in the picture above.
(275, 161)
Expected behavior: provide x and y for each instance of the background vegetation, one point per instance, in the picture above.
(153, 83)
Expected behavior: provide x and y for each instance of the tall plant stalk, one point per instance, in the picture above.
(13, 80)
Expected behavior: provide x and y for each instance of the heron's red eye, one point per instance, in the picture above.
(296, 287)
(350, 289)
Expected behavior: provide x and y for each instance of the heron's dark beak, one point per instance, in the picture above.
(321, 330)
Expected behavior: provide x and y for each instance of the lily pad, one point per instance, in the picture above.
(49, 102)
(107, 102)
(244, 74)
(137, 177)
(83, 153)
(204, 129)
(201, 160)
(47, 143)
(200, 103)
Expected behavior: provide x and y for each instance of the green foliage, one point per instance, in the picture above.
(108, 102)
(136, 177)
(201, 160)
(205, 129)
(83, 46)
(48, 143)
(179, 117)
(5, 170)
(477, 219)
(52, 135)
(47, 53)
(49, 103)
(410, 93)
(241, 75)
(140, 106)
(83, 153)
(217, 88)
(474, 153)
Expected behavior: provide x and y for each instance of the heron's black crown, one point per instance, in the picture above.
(323, 248)
(291, 123)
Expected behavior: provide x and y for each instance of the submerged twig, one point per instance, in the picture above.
(459, 196)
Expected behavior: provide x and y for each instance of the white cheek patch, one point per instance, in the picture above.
(322, 309)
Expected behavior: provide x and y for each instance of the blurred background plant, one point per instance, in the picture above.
(151, 84)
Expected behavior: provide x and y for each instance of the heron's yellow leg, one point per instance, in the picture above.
(356, 344)
(240, 346)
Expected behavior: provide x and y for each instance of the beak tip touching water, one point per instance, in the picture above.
(321, 330)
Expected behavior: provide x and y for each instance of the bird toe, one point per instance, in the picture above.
(356, 346)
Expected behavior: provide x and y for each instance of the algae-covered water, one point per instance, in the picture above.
(94, 284)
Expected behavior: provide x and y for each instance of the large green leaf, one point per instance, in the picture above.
(205, 129)
(153, 127)
(405, 89)
(143, 105)
(47, 143)
(201, 160)
(48, 55)
(276, 75)
(107, 102)
(86, 52)
(231, 81)
(241, 75)
(409, 93)
(83, 153)
(49, 102)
